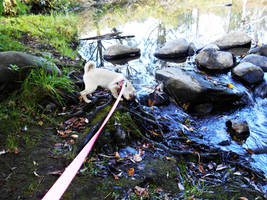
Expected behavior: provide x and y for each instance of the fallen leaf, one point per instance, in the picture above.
(201, 169)
(140, 191)
(40, 123)
(168, 158)
(158, 189)
(185, 106)
(117, 155)
(141, 152)
(15, 150)
(229, 85)
(191, 129)
(115, 176)
(130, 172)
(75, 136)
(137, 158)
(35, 163)
(243, 198)
(210, 166)
(71, 141)
(154, 133)
(35, 174)
(58, 172)
(250, 151)
(221, 167)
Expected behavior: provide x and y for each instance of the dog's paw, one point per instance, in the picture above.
(87, 100)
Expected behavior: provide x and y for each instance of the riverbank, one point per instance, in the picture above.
(41, 140)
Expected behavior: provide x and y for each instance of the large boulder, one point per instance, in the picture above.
(255, 59)
(175, 49)
(211, 59)
(262, 50)
(121, 52)
(21, 60)
(248, 72)
(233, 40)
(193, 89)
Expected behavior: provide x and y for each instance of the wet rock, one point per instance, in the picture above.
(155, 99)
(239, 131)
(50, 107)
(192, 88)
(260, 61)
(204, 108)
(261, 90)
(120, 52)
(262, 50)
(211, 59)
(248, 73)
(20, 59)
(175, 49)
(233, 40)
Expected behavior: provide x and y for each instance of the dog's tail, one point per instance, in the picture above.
(88, 66)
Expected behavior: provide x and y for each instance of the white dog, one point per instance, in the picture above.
(94, 77)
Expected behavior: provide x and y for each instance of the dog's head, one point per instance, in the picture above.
(129, 92)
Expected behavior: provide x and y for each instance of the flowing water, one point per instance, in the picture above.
(200, 22)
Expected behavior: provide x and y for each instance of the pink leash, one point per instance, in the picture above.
(63, 182)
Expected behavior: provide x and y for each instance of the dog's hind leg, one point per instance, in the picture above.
(86, 92)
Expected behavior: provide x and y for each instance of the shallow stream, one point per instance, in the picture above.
(200, 22)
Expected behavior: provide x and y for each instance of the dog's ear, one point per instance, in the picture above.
(89, 65)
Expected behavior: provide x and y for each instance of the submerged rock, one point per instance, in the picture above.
(233, 40)
(20, 59)
(191, 88)
(211, 59)
(261, 90)
(176, 49)
(260, 61)
(262, 50)
(248, 72)
(239, 131)
(120, 52)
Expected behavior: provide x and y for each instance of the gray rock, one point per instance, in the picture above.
(262, 50)
(121, 52)
(239, 131)
(248, 72)
(212, 59)
(192, 88)
(21, 60)
(233, 40)
(261, 90)
(175, 49)
(260, 61)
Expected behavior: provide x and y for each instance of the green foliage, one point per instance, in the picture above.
(1, 7)
(40, 84)
(58, 31)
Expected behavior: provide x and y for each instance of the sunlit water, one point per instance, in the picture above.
(201, 24)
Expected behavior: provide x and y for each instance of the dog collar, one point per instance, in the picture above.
(120, 83)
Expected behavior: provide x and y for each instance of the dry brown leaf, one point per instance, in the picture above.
(158, 189)
(201, 169)
(115, 176)
(117, 155)
(130, 172)
(250, 151)
(15, 150)
(140, 191)
(243, 198)
(71, 141)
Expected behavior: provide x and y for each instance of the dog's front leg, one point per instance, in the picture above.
(114, 92)
(83, 94)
